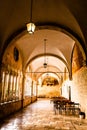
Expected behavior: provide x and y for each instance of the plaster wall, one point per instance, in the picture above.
(49, 91)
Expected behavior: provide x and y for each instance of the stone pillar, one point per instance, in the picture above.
(6, 87)
(23, 85)
(61, 90)
(36, 89)
(21, 80)
(3, 86)
(64, 77)
(69, 93)
(13, 87)
(9, 83)
(19, 93)
(16, 87)
(61, 80)
(0, 84)
(32, 89)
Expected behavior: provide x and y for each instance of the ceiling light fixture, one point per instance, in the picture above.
(45, 64)
(31, 25)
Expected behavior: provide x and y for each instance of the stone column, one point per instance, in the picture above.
(15, 86)
(32, 89)
(6, 87)
(19, 90)
(18, 86)
(3, 86)
(9, 83)
(36, 89)
(61, 90)
(0, 84)
(69, 93)
(23, 85)
(64, 74)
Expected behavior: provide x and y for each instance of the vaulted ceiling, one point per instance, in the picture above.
(61, 22)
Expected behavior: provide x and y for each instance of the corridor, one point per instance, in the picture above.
(40, 116)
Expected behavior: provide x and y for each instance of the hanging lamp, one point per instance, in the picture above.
(45, 64)
(31, 25)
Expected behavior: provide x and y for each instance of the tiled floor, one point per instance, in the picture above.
(40, 116)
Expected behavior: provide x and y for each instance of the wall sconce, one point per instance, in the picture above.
(31, 25)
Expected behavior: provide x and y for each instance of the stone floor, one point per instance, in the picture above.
(40, 116)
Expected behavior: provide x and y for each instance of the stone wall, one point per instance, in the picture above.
(11, 107)
(33, 98)
(11, 58)
(8, 108)
(78, 88)
(26, 101)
